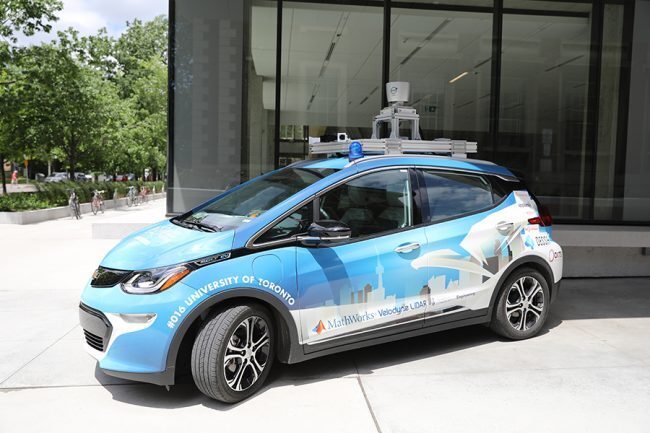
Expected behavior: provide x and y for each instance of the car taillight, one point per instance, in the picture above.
(544, 219)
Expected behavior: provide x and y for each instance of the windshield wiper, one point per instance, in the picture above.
(203, 226)
(198, 225)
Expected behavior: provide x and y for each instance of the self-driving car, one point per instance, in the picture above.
(325, 255)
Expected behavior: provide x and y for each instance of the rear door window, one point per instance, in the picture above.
(450, 195)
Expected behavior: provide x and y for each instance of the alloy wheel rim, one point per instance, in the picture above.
(525, 303)
(247, 353)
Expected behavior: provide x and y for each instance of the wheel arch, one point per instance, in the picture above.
(183, 339)
(531, 261)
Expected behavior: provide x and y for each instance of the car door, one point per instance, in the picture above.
(464, 250)
(366, 283)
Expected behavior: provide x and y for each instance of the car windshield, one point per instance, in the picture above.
(253, 199)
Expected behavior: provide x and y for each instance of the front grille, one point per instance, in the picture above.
(105, 277)
(97, 328)
(94, 341)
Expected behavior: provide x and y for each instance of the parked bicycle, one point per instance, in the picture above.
(97, 203)
(131, 197)
(73, 202)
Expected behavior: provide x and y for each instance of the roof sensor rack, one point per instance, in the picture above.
(394, 144)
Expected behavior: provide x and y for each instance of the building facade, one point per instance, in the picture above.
(558, 90)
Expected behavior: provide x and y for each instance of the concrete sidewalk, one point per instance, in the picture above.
(588, 371)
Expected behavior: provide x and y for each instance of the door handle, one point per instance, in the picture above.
(407, 248)
(505, 227)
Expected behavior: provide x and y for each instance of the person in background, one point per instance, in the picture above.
(14, 177)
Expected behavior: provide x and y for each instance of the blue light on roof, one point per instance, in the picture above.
(355, 151)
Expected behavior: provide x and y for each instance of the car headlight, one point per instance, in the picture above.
(155, 280)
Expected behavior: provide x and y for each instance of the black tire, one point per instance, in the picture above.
(533, 308)
(209, 369)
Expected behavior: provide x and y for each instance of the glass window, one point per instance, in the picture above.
(258, 150)
(331, 74)
(607, 206)
(448, 3)
(637, 158)
(371, 204)
(451, 195)
(543, 112)
(499, 189)
(294, 224)
(446, 57)
(254, 198)
(561, 6)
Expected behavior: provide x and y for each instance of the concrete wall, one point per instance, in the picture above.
(604, 251)
(605, 262)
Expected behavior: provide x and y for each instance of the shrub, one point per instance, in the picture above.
(56, 194)
(23, 201)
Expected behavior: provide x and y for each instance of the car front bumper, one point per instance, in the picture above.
(129, 335)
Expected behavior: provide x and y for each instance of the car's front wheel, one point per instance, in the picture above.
(522, 306)
(233, 353)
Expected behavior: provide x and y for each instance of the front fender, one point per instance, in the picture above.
(288, 334)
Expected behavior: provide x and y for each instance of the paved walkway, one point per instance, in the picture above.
(588, 372)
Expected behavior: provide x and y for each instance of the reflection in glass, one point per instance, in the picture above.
(446, 56)
(331, 74)
(543, 108)
(637, 161)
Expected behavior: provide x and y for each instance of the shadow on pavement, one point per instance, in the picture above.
(579, 299)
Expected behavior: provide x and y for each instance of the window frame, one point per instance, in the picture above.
(416, 203)
(416, 197)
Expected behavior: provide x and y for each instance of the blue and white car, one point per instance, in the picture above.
(320, 257)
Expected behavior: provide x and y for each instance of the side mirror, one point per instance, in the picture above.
(324, 233)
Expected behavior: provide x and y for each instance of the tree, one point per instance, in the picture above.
(67, 108)
(26, 17)
(140, 43)
(149, 99)
(90, 101)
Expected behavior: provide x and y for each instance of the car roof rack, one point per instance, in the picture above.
(394, 144)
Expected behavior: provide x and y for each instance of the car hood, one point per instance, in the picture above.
(165, 244)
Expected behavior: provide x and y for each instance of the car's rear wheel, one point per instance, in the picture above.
(522, 306)
(233, 353)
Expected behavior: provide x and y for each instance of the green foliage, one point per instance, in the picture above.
(56, 194)
(24, 201)
(65, 110)
(140, 44)
(93, 103)
(27, 17)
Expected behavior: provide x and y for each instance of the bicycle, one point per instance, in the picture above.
(131, 197)
(73, 202)
(97, 203)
